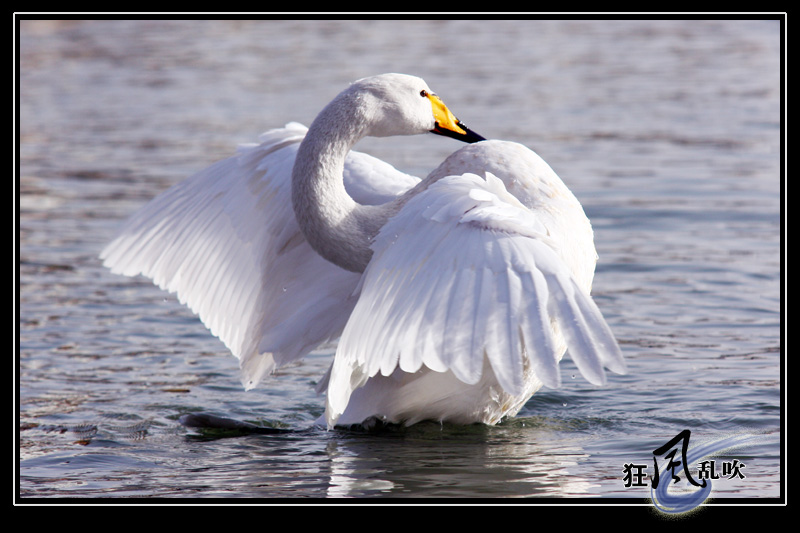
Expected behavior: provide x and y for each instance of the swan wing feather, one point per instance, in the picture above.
(465, 271)
(227, 243)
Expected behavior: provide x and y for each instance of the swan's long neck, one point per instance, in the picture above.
(338, 228)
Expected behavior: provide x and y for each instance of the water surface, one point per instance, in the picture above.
(667, 131)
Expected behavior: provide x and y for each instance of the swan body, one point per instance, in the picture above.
(453, 297)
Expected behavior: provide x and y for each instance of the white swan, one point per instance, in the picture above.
(455, 297)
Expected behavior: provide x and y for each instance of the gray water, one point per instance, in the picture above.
(667, 131)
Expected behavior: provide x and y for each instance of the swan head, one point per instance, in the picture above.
(399, 104)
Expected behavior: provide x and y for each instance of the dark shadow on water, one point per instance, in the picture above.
(211, 427)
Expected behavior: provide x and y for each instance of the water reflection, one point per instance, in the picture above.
(436, 461)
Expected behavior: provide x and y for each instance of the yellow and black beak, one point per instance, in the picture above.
(448, 125)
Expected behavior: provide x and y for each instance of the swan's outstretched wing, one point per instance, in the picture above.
(227, 243)
(465, 271)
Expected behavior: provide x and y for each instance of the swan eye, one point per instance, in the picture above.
(423, 93)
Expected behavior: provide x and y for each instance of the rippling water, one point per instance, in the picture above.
(667, 131)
